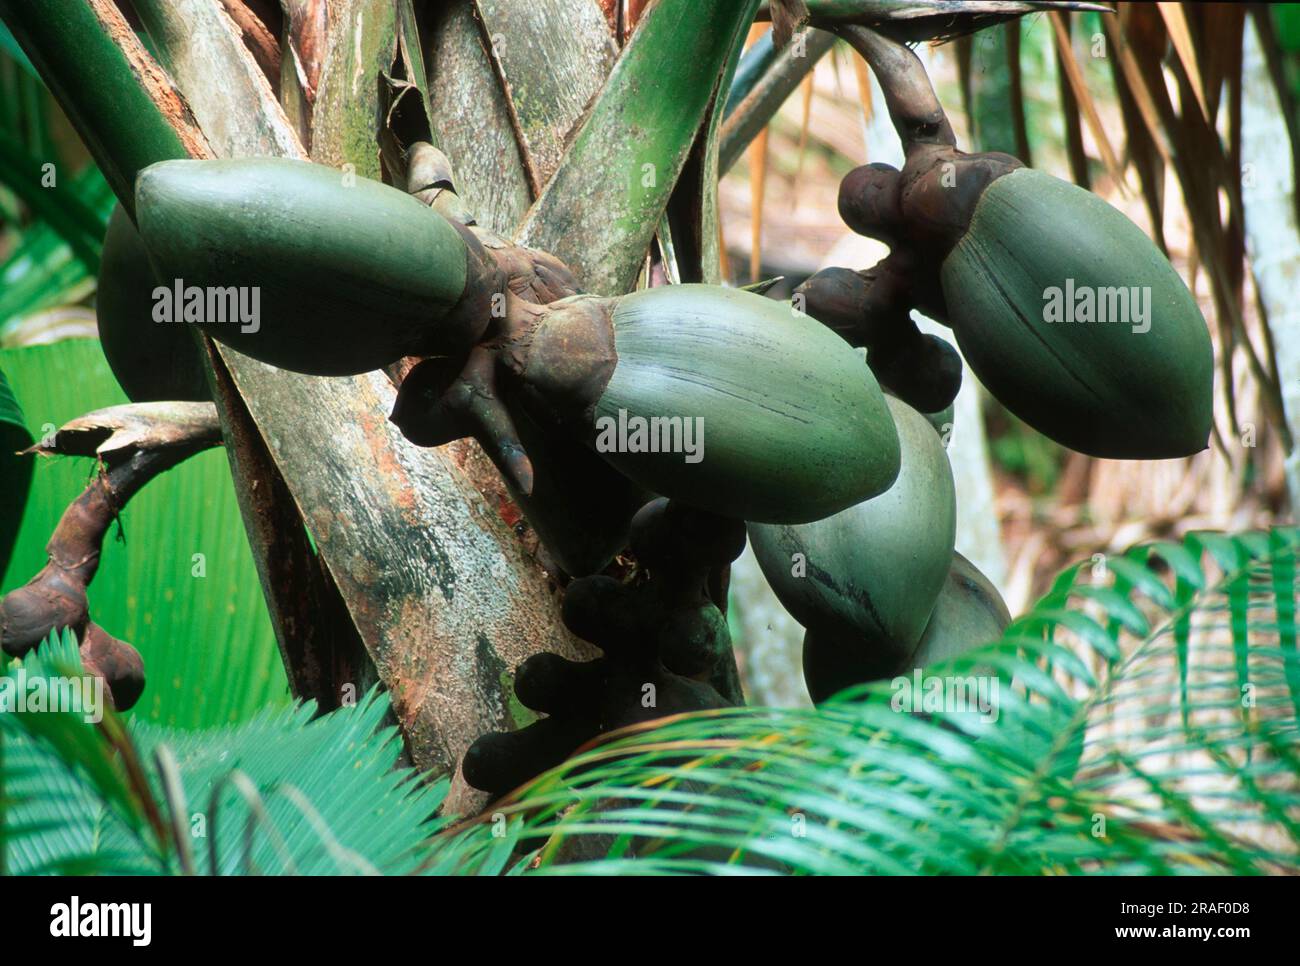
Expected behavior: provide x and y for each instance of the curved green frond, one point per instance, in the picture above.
(282, 793)
(73, 804)
(601, 209)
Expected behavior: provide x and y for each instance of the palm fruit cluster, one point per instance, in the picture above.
(846, 491)
(1065, 310)
(666, 648)
(997, 252)
(360, 275)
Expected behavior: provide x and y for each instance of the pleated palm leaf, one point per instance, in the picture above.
(279, 793)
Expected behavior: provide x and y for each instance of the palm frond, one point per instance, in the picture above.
(332, 800)
(591, 214)
(283, 792)
(71, 803)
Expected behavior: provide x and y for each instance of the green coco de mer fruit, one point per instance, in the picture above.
(786, 423)
(1077, 323)
(720, 399)
(870, 575)
(1065, 310)
(346, 274)
(968, 612)
(151, 362)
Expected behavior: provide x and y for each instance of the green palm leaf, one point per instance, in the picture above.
(70, 804)
(279, 793)
(1119, 742)
(1145, 722)
(334, 801)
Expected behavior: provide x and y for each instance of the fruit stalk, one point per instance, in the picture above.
(913, 106)
(134, 448)
(666, 649)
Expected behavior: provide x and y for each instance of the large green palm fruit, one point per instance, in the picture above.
(337, 274)
(1065, 310)
(719, 398)
(151, 362)
(870, 575)
(968, 612)
(1122, 369)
